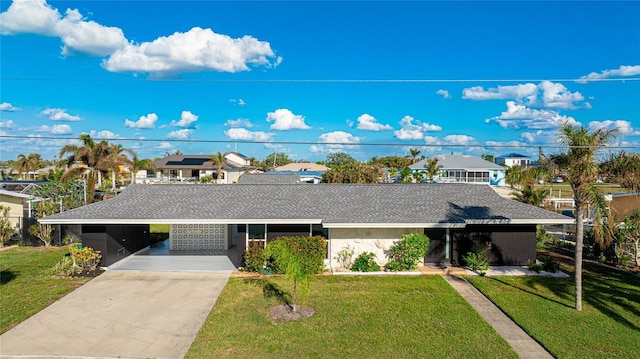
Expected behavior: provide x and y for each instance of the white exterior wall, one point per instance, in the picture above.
(375, 240)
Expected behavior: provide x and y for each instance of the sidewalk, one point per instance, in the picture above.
(521, 342)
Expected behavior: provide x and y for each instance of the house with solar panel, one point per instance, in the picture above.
(185, 168)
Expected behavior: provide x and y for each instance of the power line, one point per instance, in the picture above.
(346, 144)
(63, 79)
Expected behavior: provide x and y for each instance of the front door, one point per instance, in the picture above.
(437, 252)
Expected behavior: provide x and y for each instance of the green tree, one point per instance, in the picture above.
(91, 154)
(138, 164)
(433, 168)
(40, 230)
(488, 157)
(6, 229)
(338, 159)
(623, 168)
(274, 160)
(406, 175)
(218, 160)
(531, 195)
(28, 163)
(354, 173)
(414, 155)
(300, 258)
(581, 171)
(392, 162)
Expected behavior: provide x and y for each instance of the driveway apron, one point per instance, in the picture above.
(120, 314)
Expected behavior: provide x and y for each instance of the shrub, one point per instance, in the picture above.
(254, 258)
(85, 259)
(405, 253)
(534, 266)
(549, 264)
(542, 236)
(477, 259)
(311, 252)
(365, 262)
(64, 268)
(345, 257)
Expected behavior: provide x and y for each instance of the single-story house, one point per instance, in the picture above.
(365, 217)
(513, 159)
(465, 169)
(196, 167)
(20, 208)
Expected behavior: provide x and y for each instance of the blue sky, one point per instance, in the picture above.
(367, 78)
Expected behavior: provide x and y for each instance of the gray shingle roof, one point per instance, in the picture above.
(269, 178)
(381, 205)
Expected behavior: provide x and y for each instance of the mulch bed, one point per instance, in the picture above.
(89, 273)
(282, 313)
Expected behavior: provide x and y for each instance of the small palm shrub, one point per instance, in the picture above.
(365, 262)
(477, 259)
(85, 259)
(549, 264)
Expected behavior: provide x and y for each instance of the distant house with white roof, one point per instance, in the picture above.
(465, 169)
(513, 159)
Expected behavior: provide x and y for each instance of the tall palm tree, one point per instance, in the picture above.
(218, 160)
(138, 164)
(89, 154)
(22, 165)
(578, 166)
(432, 167)
(114, 160)
(414, 154)
(623, 168)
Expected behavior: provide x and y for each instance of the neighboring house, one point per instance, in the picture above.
(513, 159)
(623, 204)
(364, 217)
(314, 177)
(196, 167)
(465, 169)
(20, 208)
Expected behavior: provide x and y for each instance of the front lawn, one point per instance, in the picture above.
(608, 327)
(26, 285)
(356, 317)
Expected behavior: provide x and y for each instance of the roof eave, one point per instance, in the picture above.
(105, 221)
(393, 225)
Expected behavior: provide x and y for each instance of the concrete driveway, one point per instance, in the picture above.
(120, 314)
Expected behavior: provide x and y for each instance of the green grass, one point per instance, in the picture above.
(564, 189)
(159, 228)
(26, 286)
(608, 326)
(356, 317)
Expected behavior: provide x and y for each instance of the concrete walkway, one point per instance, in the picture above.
(120, 314)
(521, 342)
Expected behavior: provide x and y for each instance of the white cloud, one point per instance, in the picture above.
(623, 127)
(335, 141)
(103, 135)
(186, 120)
(5, 106)
(444, 93)
(241, 122)
(458, 139)
(59, 114)
(546, 94)
(8, 124)
(283, 120)
(239, 102)
(432, 140)
(413, 129)
(165, 146)
(369, 123)
(183, 134)
(77, 35)
(56, 129)
(246, 135)
(148, 121)
(195, 50)
(510, 144)
(622, 71)
(528, 136)
(520, 116)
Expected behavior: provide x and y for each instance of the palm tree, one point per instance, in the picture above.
(530, 195)
(579, 167)
(22, 165)
(114, 160)
(218, 160)
(138, 164)
(414, 154)
(432, 167)
(89, 153)
(623, 168)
